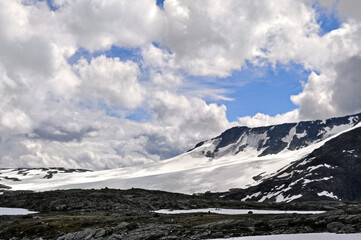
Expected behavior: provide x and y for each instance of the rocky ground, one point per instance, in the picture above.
(127, 214)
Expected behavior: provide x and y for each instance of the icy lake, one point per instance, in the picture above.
(15, 211)
(308, 236)
(234, 211)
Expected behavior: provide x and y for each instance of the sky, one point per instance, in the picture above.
(102, 84)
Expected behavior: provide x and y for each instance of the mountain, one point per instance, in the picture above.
(332, 171)
(309, 160)
(275, 139)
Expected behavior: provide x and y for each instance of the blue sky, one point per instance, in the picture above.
(254, 89)
(266, 90)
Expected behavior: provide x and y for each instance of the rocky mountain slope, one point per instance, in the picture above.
(288, 162)
(332, 171)
(275, 139)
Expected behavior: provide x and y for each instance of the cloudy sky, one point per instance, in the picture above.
(102, 84)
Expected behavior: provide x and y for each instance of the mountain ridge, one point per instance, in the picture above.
(298, 134)
(332, 171)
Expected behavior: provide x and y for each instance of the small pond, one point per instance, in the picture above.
(234, 211)
(15, 211)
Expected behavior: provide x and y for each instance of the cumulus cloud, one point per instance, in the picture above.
(325, 93)
(346, 8)
(54, 113)
(216, 37)
(347, 87)
(332, 93)
(189, 119)
(110, 80)
(328, 90)
(99, 24)
(261, 119)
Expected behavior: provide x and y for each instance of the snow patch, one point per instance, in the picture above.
(302, 236)
(312, 168)
(276, 194)
(251, 196)
(307, 181)
(335, 130)
(233, 211)
(327, 194)
(288, 139)
(295, 182)
(280, 187)
(301, 135)
(284, 175)
(281, 198)
(183, 173)
(15, 211)
(305, 161)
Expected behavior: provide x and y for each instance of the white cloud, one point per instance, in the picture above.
(332, 93)
(315, 99)
(216, 37)
(111, 80)
(16, 119)
(346, 95)
(261, 119)
(335, 71)
(44, 116)
(99, 24)
(188, 119)
(325, 93)
(346, 8)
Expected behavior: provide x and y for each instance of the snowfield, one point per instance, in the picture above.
(234, 211)
(307, 236)
(15, 211)
(187, 173)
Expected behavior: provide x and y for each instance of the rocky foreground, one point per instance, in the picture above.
(128, 214)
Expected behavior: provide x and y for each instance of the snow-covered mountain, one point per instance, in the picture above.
(273, 163)
(332, 171)
(274, 139)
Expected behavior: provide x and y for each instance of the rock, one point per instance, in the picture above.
(100, 233)
(335, 227)
(131, 226)
(308, 229)
(217, 235)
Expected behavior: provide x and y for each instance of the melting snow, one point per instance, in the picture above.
(288, 139)
(295, 182)
(251, 196)
(336, 129)
(308, 236)
(234, 211)
(312, 168)
(183, 173)
(283, 175)
(301, 135)
(281, 198)
(307, 181)
(306, 161)
(15, 211)
(327, 194)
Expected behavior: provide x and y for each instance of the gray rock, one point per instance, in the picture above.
(335, 227)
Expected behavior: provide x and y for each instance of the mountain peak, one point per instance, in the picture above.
(274, 139)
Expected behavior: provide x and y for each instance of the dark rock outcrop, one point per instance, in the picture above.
(331, 172)
(127, 214)
(274, 139)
